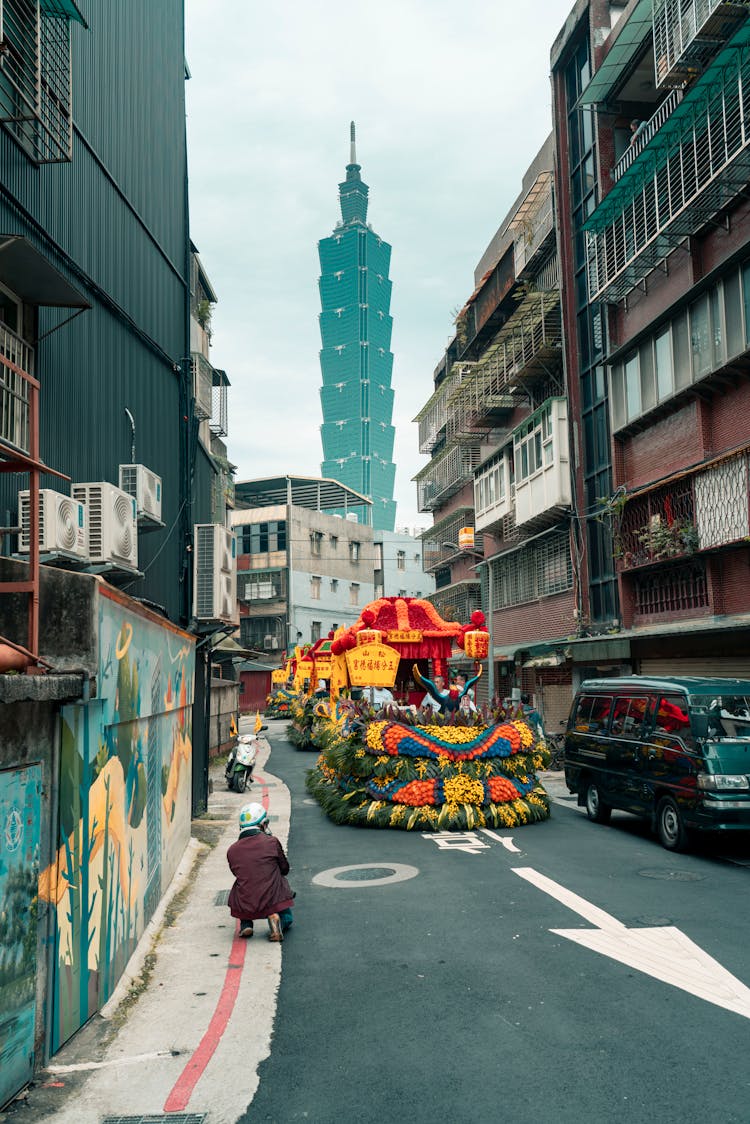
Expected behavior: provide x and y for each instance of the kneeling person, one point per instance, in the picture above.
(258, 863)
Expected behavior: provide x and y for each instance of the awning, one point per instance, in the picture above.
(28, 274)
(628, 36)
(63, 9)
(503, 652)
(552, 659)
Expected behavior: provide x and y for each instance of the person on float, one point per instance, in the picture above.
(467, 704)
(259, 865)
(447, 702)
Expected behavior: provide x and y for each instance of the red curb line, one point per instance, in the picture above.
(183, 1088)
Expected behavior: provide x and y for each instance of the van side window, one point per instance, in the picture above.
(592, 714)
(629, 716)
(672, 718)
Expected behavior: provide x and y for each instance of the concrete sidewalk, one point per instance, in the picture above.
(187, 1029)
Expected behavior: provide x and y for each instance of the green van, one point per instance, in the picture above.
(674, 750)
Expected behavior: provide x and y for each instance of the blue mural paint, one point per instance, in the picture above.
(20, 797)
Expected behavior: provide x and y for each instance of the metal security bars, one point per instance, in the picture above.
(444, 476)
(533, 222)
(649, 130)
(686, 33)
(432, 417)
(457, 602)
(538, 570)
(434, 552)
(675, 589)
(700, 511)
(35, 78)
(525, 349)
(695, 165)
(16, 369)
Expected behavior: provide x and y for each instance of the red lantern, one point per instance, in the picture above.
(477, 618)
(477, 644)
(368, 617)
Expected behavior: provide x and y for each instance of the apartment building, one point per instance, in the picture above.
(498, 481)
(652, 156)
(301, 571)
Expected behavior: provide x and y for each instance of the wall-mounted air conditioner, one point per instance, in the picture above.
(215, 572)
(62, 524)
(112, 523)
(145, 488)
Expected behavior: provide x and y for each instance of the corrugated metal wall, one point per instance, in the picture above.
(114, 222)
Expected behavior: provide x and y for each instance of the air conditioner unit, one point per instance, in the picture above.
(62, 524)
(270, 643)
(145, 488)
(215, 576)
(112, 523)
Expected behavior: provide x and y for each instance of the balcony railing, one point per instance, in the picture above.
(203, 385)
(686, 35)
(219, 411)
(521, 351)
(694, 165)
(434, 552)
(704, 511)
(445, 475)
(647, 133)
(431, 418)
(16, 371)
(533, 222)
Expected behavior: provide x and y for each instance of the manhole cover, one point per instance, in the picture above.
(348, 877)
(222, 898)
(672, 875)
(174, 1117)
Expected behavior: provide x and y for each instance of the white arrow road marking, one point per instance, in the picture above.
(506, 840)
(663, 952)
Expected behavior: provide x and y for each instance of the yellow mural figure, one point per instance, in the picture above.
(107, 814)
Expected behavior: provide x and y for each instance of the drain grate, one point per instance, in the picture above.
(222, 898)
(156, 1118)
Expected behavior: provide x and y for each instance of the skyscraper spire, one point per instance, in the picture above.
(353, 191)
(356, 360)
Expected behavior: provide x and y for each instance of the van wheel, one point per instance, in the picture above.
(669, 826)
(596, 809)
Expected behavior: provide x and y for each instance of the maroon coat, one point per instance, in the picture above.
(258, 864)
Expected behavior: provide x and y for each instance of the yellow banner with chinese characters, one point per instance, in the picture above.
(323, 667)
(404, 635)
(339, 676)
(372, 665)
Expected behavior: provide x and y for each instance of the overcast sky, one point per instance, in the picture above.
(451, 100)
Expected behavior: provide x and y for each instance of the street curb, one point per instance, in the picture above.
(134, 966)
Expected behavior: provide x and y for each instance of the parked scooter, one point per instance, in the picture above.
(241, 761)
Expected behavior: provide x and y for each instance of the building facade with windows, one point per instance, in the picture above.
(107, 466)
(356, 361)
(301, 571)
(655, 240)
(399, 566)
(497, 431)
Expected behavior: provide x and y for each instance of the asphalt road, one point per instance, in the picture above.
(447, 996)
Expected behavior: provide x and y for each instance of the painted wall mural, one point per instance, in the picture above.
(125, 798)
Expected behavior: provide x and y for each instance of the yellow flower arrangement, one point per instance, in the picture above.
(454, 735)
(460, 789)
(527, 738)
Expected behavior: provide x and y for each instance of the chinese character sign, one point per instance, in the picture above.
(404, 636)
(372, 665)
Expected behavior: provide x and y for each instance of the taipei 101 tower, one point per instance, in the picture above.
(356, 361)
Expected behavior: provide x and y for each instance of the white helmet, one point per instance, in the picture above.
(252, 815)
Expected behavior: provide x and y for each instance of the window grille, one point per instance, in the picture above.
(697, 170)
(445, 475)
(540, 569)
(219, 424)
(701, 511)
(686, 34)
(203, 385)
(261, 585)
(458, 602)
(16, 367)
(434, 552)
(432, 417)
(35, 81)
(671, 590)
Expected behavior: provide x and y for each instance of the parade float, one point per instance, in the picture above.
(405, 766)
